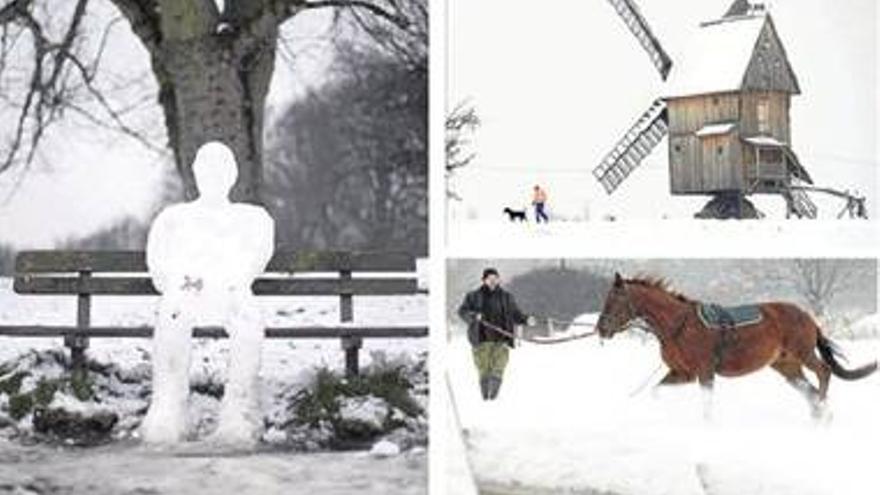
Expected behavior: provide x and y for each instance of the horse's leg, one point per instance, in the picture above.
(707, 385)
(823, 374)
(674, 377)
(793, 373)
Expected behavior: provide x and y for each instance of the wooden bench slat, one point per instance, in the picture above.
(317, 287)
(71, 261)
(218, 332)
(140, 286)
(329, 261)
(72, 285)
(135, 261)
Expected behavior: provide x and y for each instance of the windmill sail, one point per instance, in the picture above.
(629, 12)
(635, 145)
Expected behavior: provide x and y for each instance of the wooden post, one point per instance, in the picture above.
(758, 164)
(351, 345)
(79, 343)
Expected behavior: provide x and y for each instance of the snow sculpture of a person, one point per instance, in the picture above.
(203, 256)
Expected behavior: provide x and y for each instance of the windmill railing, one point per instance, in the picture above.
(766, 171)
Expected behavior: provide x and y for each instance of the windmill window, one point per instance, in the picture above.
(677, 148)
(720, 150)
(763, 116)
(715, 101)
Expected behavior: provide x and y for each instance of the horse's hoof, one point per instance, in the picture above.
(822, 414)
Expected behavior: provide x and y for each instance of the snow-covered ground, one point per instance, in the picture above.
(662, 238)
(288, 366)
(580, 417)
(118, 469)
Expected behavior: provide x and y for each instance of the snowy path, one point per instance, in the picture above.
(568, 421)
(132, 470)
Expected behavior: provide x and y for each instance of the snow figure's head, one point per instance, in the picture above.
(215, 170)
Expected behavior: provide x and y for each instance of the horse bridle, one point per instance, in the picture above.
(633, 314)
(636, 315)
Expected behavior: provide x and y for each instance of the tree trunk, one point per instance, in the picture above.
(213, 77)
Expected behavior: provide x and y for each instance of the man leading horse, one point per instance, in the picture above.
(492, 315)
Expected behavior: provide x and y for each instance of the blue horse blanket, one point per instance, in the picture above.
(717, 316)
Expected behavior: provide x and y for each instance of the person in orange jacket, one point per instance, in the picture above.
(539, 198)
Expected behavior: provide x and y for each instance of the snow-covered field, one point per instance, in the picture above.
(579, 418)
(662, 238)
(288, 365)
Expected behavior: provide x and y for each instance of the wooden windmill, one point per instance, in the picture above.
(726, 112)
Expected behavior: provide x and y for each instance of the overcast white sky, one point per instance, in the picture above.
(84, 180)
(558, 83)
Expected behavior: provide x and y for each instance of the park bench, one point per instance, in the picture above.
(87, 274)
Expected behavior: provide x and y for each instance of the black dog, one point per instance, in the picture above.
(515, 214)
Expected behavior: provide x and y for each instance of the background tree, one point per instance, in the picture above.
(819, 281)
(461, 123)
(352, 166)
(560, 293)
(212, 68)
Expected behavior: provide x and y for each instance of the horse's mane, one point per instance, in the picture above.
(658, 283)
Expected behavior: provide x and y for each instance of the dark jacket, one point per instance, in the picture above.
(497, 307)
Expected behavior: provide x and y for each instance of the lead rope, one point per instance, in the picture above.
(534, 340)
(647, 380)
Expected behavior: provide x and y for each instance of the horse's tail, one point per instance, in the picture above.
(830, 352)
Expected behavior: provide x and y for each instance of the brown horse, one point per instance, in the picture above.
(785, 339)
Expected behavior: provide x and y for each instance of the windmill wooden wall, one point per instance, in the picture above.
(716, 163)
(778, 122)
(695, 164)
(723, 161)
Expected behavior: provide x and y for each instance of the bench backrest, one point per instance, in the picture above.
(319, 273)
(124, 273)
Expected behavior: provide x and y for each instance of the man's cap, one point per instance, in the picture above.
(490, 271)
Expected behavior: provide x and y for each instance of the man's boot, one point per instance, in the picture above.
(484, 386)
(494, 387)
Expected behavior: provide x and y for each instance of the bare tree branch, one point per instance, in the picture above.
(409, 44)
(460, 124)
(13, 10)
(143, 17)
(292, 7)
(820, 280)
(54, 67)
(114, 115)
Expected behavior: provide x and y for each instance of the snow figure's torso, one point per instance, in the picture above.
(212, 250)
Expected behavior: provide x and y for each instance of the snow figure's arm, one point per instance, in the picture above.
(157, 251)
(266, 239)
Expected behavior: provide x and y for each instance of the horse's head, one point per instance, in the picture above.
(618, 311)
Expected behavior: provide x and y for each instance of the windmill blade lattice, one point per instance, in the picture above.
(635, 145)
(629, 12)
